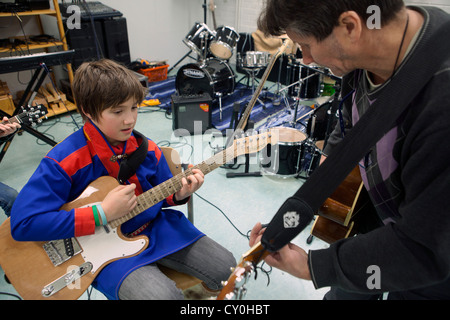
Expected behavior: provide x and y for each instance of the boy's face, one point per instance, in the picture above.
(118, 122)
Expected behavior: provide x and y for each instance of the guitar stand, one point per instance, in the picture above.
(246, 173)
(31, 92)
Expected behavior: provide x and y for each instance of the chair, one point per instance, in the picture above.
(182, 280)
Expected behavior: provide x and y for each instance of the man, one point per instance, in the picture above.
(407, 173)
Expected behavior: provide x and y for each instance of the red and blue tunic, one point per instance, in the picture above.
(62, 176)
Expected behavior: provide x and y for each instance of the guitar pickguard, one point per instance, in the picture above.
(107, 245)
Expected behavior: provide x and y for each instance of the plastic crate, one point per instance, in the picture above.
(155, 74)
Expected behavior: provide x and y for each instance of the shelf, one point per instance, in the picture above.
(28, 13)
(34, 46)
(54, 109)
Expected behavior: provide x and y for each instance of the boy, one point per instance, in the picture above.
(107, 95)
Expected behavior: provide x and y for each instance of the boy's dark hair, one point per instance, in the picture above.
(102, 84)
(318, 18)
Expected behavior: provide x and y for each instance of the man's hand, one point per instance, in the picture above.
(7, 128)
(291, 258)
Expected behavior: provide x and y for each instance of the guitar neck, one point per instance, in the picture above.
(169, 187)
(212, 7)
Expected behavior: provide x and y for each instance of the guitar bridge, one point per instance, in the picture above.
(59, 251)
(68, 280)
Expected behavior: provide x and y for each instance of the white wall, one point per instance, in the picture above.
(156, 28)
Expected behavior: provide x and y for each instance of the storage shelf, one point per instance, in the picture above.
(28, 13)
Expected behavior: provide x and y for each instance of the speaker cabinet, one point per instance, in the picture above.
(191, 114)
(116, 40)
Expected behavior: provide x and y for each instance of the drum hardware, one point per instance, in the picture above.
(252, 74)
(246, 114)
(300, 82)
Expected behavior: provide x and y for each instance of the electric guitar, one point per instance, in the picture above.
(29, 115)
(64, 269)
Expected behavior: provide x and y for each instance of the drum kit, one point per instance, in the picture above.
(211, 73)
(296, 154)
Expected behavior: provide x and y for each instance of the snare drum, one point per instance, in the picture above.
(283, 158)
(254, 59)
(198, 38)
(225, 41)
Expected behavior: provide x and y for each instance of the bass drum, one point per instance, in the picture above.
(214, 76)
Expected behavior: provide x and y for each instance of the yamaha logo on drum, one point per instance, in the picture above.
(193, 73)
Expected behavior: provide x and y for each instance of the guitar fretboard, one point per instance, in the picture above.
(169, 187)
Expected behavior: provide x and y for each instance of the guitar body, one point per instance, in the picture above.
(30, 270)
(336, 216)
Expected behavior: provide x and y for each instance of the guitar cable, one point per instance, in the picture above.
(255, 266)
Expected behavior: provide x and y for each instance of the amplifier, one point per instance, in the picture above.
(192, 113)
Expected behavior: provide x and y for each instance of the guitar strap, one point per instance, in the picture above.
(424, 62)
(129, 165)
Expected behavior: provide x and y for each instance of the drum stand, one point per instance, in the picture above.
(179, 61)
(252, 73)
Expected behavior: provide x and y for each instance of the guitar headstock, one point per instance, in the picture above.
(31, 115)
(211, 5)
(254, 143)
(234, 287)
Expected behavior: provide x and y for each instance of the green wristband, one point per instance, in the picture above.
(96, 218)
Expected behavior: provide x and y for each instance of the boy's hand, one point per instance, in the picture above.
(119, 201)
(190, 184)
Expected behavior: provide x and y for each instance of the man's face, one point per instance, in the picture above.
(326, 53)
